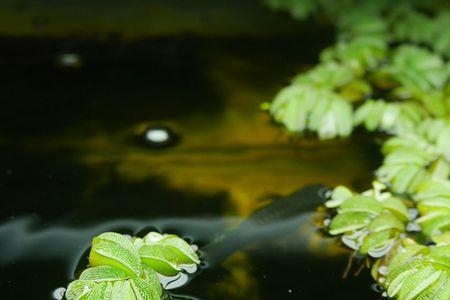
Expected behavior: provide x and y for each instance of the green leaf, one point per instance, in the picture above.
(79, 289)
(414, 26)
(361, 204)
(385, 221)
(303, 106)
(328, 75)
(434, 204)
(350, 221)
(360, 53)
(152, 280)
(401, 183)
(442, 238)
(115, 250)
(160, 258)
(434, 289)
(418, 68)
(185, 254)
(410, 156)
(370, 113)
(102, 273)
(405, 254)
(396, 207)
(395, 270)
(396, 284)
(418, 282)
(291, 107)
(375, 240)
(444, 291)
(100, 291)
(339, 195)
(143, 291)
(122, 290)
(435, 224)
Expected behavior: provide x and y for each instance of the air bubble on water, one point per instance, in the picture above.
(58, 293)
(192, 268)
(383, 270)
(157, 135)
(173, 282)
(194, 247)
(153, 237)
(354, 240)
(384, 295)
(327, 222)
(376, 287)
(160, 136)
(413, 213)
(413, 227)
(328, 194)
(128, 236)
(349, 242)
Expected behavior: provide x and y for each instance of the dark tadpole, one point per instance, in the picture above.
(282, 216)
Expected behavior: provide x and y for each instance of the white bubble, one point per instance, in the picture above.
(413, 227)
(157, 135)
(58, 293)
(383, 270)
(413, 213)
(69, 60)
(172, 282)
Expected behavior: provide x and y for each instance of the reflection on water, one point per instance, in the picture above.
(283, 229)
(74, 163)
(26, 240)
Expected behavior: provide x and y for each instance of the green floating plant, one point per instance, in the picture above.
(361, 53)
(433, 204)
(389, 67)
(367, 59)
(414, 271)
(391, 117)
(415, 156)
(414, 78)
(411, 25)
(417, 68)
(302, 107)
(370, 222)
(127, 268)
(375, 223)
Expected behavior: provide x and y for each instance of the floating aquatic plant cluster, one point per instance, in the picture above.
(380, 225)
(388, 71)
(126, 268)
(370, 77)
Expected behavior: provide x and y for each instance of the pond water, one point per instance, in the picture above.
(74, 161)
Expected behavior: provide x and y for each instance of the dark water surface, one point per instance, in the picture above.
(72, 162)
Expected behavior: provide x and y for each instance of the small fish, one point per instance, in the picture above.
(282, 216)
(21, 238)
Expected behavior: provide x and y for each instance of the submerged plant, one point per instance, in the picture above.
(388, 71)
(127, 268)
